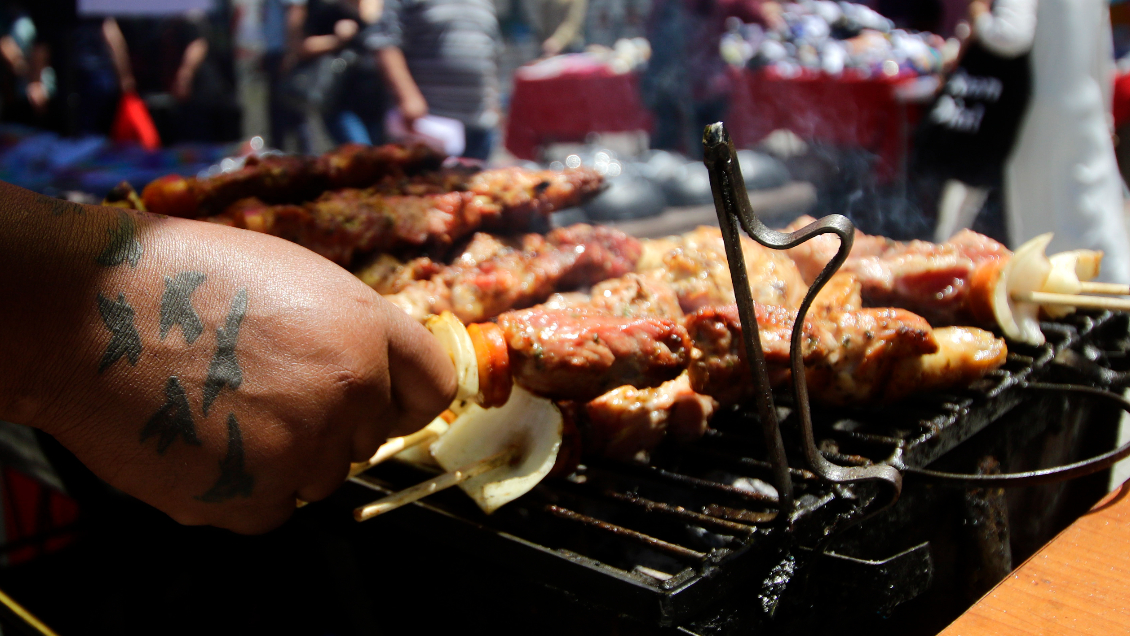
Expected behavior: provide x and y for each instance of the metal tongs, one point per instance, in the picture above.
(733, 207)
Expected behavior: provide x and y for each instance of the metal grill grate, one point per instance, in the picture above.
(660, 541)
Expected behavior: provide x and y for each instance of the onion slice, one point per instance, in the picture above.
(455, 340)
(1069, 271)
(528, 427)
(1026, 271)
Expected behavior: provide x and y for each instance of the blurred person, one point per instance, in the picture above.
(687, 85)
(176, 69)
(559, 24)
(347, 83)
(283, 22)
(26, 78)
(440, 57)
(966, 137)
(1063, 177)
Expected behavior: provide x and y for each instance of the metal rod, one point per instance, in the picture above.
(681, 513)
(733, 207)
(727, 187)
(639, 537)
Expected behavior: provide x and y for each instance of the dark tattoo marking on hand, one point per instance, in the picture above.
(59, 207)
(125, 341)
(233, 480)
(176, 306)
(224, 370)
(124, 246)
(172, 420)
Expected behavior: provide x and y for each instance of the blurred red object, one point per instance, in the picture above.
(569, 106)
(1121, 107)
(133, 123)
(851, 110)
(37, 519)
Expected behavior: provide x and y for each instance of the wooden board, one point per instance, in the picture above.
(1077, 584)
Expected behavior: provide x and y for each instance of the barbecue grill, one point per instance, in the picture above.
(723, 535)
(693, 542)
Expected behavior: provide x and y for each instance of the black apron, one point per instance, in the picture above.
(971, 127)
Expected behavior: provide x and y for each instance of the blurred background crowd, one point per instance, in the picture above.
(900, 113)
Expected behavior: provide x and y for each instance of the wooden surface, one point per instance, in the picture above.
(1077, 584)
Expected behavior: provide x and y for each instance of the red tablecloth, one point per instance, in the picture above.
(849, 110)
(568, 107)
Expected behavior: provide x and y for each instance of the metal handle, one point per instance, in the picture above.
(733, 207)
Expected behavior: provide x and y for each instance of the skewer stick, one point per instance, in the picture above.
(387, 450)
(444, 481)
(1113, 289)
(392, 447)
(1072, 300)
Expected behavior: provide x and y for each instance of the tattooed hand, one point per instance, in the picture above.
(214, 373)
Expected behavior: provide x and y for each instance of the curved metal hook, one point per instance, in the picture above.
(732, 203)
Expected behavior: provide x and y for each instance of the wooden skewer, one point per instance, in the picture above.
(387, 450)
(392, 447)
(419, 491)
(1113, 289)
(1072, 300)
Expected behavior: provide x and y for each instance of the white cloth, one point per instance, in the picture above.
(1007, 30)
(1062, 176)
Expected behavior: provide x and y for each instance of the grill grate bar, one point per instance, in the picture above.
(673, 549)
(745, 462)
(682, 513)
(679, 479)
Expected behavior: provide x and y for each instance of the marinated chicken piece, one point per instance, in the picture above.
(578, 354)
(636, 295)
(933, 280)
(964, 355)
(695, 266)
(627, 423)
(517, 274)
(854, 357)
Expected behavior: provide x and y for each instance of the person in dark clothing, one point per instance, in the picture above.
(351, 97)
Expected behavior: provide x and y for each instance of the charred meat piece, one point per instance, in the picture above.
(349, 222)
(493, 276)
(286, 179)
(853, 357)
(579, 355)
(933, 280)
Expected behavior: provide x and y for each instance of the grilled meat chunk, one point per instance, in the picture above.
(627, 423)
(695, 266)
(576, 354)
(344, 223)
(853, 357)
(287, 179)
(495, 276)
(930, 279)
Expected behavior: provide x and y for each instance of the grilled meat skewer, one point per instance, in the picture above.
(345, 223)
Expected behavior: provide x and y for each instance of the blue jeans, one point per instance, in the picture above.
(480, 141)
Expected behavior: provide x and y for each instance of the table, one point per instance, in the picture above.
(569, 106)
(1077, 584)
(849, 110)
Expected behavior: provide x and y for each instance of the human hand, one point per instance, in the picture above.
(977, 8)
(412, 107)
(551, 47)
(216, 374)
(37, 96)
(345, 30)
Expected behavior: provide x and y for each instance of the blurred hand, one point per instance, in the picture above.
(551, 47)
(345, 30)
(978, 8)
(412, 107)
(37, 96)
